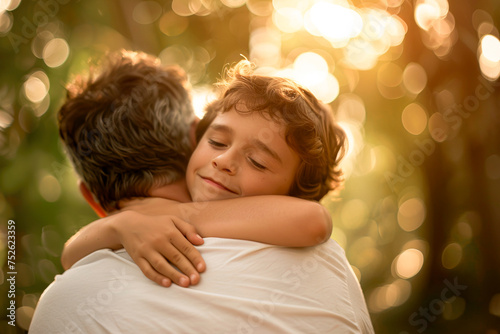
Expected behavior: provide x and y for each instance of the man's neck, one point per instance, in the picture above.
(176, 191)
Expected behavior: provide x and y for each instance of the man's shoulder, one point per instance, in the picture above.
(101, 256)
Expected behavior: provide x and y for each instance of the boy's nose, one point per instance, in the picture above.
(224, 164)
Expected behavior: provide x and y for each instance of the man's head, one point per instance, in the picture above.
(126, 129)
(308, 127)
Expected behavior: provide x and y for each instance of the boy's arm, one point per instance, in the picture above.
(277, 220)
(179, 249)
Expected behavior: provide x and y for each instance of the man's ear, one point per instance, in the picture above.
(192, 132)
(91, 200)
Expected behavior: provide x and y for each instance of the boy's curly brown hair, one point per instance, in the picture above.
(126, 129)
(310, 128)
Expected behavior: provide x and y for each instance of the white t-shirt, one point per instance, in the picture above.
(248, 287)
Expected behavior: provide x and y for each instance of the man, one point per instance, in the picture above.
(248, 286)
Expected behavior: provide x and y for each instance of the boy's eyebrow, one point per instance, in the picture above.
(267, 149)
(221, 127)
(256, 142)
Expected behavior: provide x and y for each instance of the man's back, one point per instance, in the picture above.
(248, 287)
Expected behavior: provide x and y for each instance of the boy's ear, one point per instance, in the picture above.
(192, 132)
(91, 200)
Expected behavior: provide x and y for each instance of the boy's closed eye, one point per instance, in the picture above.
(256, 164)
(216, 144)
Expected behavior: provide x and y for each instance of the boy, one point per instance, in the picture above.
(291, 120)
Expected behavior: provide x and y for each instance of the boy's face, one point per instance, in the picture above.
(241, 155)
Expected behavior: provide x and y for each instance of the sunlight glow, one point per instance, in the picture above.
(265, 46)
(201, 97)
(362, 34)
(288, 20)
(311, 71)
(354, 134)
(336, 23)
(380, 32)
(351, 108)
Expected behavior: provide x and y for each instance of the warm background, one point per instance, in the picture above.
(414, 84)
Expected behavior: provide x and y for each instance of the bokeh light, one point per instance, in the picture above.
(389, 295)
(489, 59)
(414, 78)
(490, 47)
(55, 52)
(36, 87)
(414, 118)
(6, 119)
(411, 214)
(409, 263)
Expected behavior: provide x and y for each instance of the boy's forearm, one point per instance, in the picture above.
(90, 238)
(278, 220)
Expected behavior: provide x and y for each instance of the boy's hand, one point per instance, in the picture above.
(155, 243)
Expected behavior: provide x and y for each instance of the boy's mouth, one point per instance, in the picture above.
(217, 184)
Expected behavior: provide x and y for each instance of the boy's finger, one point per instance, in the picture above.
(181, 256)
(150, 273)
(191, 257)
(187, 248)
(192, 254)
(160, 264)
(169, 253)
(194, 238)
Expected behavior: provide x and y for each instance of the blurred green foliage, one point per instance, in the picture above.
(420, 209)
